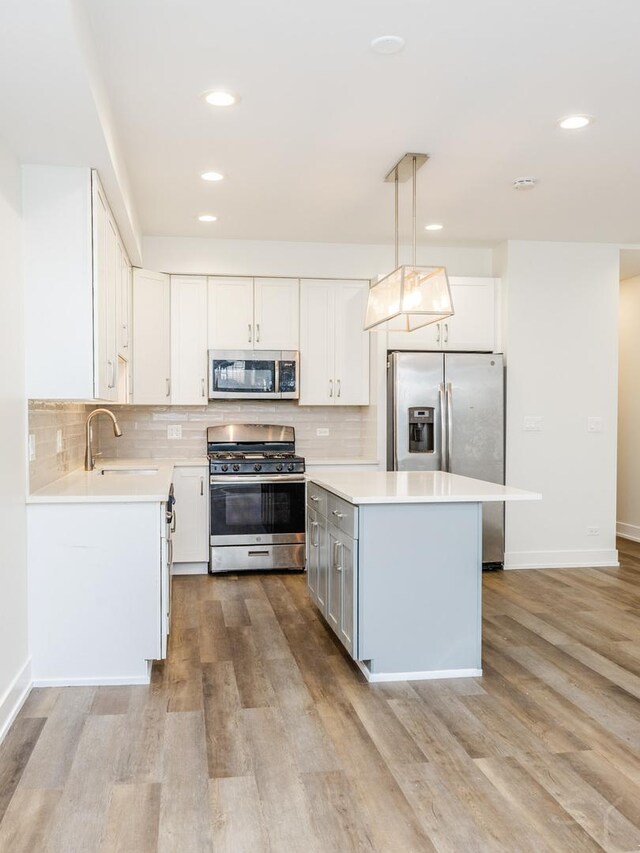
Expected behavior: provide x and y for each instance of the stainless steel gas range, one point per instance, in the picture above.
(257, 491)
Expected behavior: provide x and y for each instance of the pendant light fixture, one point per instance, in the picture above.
(411, 296)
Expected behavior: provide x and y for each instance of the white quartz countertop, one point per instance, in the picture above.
(386, 487)
(82, 486)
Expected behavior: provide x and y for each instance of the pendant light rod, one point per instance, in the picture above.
(406, 169)
(415, 169)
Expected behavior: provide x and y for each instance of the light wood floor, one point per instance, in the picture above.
(258, 734)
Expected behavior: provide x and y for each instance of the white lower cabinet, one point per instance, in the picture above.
(332, 559)
(190, 539)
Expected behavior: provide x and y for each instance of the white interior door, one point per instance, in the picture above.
(230, 313)
(351, 344)
(317, 301)
(189, 340)
(276, 313)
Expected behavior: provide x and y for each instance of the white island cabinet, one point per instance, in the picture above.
(99, 577)
(394, 563)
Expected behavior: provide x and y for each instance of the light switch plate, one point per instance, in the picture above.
(322, 431)
(32, 447)
(532, 423)
(174, 431)
(594, 424)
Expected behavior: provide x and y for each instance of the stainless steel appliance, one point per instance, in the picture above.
(257, 498)
(253, 375)
(446, 413)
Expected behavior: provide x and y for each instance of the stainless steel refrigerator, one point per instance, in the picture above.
(446, 413)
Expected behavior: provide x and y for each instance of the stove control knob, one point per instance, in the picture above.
(279, 466)
(225, 467)
(290, 466)
(257, 467)
(236, 467)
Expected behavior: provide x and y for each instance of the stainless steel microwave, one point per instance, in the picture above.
(253, 375)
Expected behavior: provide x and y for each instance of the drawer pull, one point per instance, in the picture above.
(314, 498)
(337, 514)
(257, 553)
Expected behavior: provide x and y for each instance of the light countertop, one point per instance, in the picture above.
(82, 486)
(386, 487)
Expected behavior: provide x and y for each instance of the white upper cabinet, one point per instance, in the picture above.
(247, 313)
(472, 327)
(107, 274)
(276, 313)
(188, 340)
(123, 307)
(151, 337)
(334, 349)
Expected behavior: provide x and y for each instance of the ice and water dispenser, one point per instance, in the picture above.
(421, 429)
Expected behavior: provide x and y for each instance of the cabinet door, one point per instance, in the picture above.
(334, 581)
(312, 553)
(351, 370)
(151, 338)
(123, 306)
(347, 556)
(427, 338)
(188, 340)
(276, 314)
(322, 584)
(472, 327)
(191, 537)
(317, 384)
(230, 313)
(106, 272)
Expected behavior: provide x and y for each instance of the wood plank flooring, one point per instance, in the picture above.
(258, 734)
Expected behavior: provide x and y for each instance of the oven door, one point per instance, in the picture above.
(243, 375)
(256, 510)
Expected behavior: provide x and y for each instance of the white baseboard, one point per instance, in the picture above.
(628, 531)
(190, 569)
(104, 681)
(426, 675)
(14, 698)
(561, 559)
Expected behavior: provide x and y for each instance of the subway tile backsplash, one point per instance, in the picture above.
(352, 429)
(46, 417)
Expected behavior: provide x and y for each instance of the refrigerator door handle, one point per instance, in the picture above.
(449, 424)
(443, 428)
(396, 435)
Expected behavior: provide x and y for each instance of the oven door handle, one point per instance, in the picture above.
(239, 479)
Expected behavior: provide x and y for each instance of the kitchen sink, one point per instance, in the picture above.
(104, 471)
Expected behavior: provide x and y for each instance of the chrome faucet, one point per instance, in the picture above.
(89, 462)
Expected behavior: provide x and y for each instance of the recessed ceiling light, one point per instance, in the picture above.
(575, 122)
(524, 183)
(206, 217)
(219, 98)
(212, 176)
(434, 226)
(388, 44)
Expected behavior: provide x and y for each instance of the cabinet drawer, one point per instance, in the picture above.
(343, 514)
(317, 499)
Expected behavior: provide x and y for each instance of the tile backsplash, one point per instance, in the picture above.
(351, 429)
(46, 418)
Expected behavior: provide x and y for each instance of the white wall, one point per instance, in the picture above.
(561, 343)
(198, 256)
(629, 410)
(14, 674)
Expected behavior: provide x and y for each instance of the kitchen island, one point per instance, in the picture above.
(394, 563)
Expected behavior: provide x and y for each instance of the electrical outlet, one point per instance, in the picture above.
(322, 431)
(174, 431)
(59, 444)
(593, 531)
(32, 447)
(532, 424)
(594, 424)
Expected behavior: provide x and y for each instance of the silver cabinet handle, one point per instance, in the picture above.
(249, 327)
(446, 333)
(201, 486)
(202, 387)
(438, 335)
(449, 424)
(111, 383)
(173, 522)
(336, 564)
(314, 498)
(337, 514)
(257, 333)
(168, 381)
(443, 428)
(315, 526)
(331, 387)
(338, 386)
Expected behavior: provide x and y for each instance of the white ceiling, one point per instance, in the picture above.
(479, 87)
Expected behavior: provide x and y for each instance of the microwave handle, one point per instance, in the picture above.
(277, 375)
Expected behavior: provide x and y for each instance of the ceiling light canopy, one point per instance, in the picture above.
(212, 176)
(576, 122)
(388, 44)
(219, 98)
(411, 296)
(525, 183)
(207, 217)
